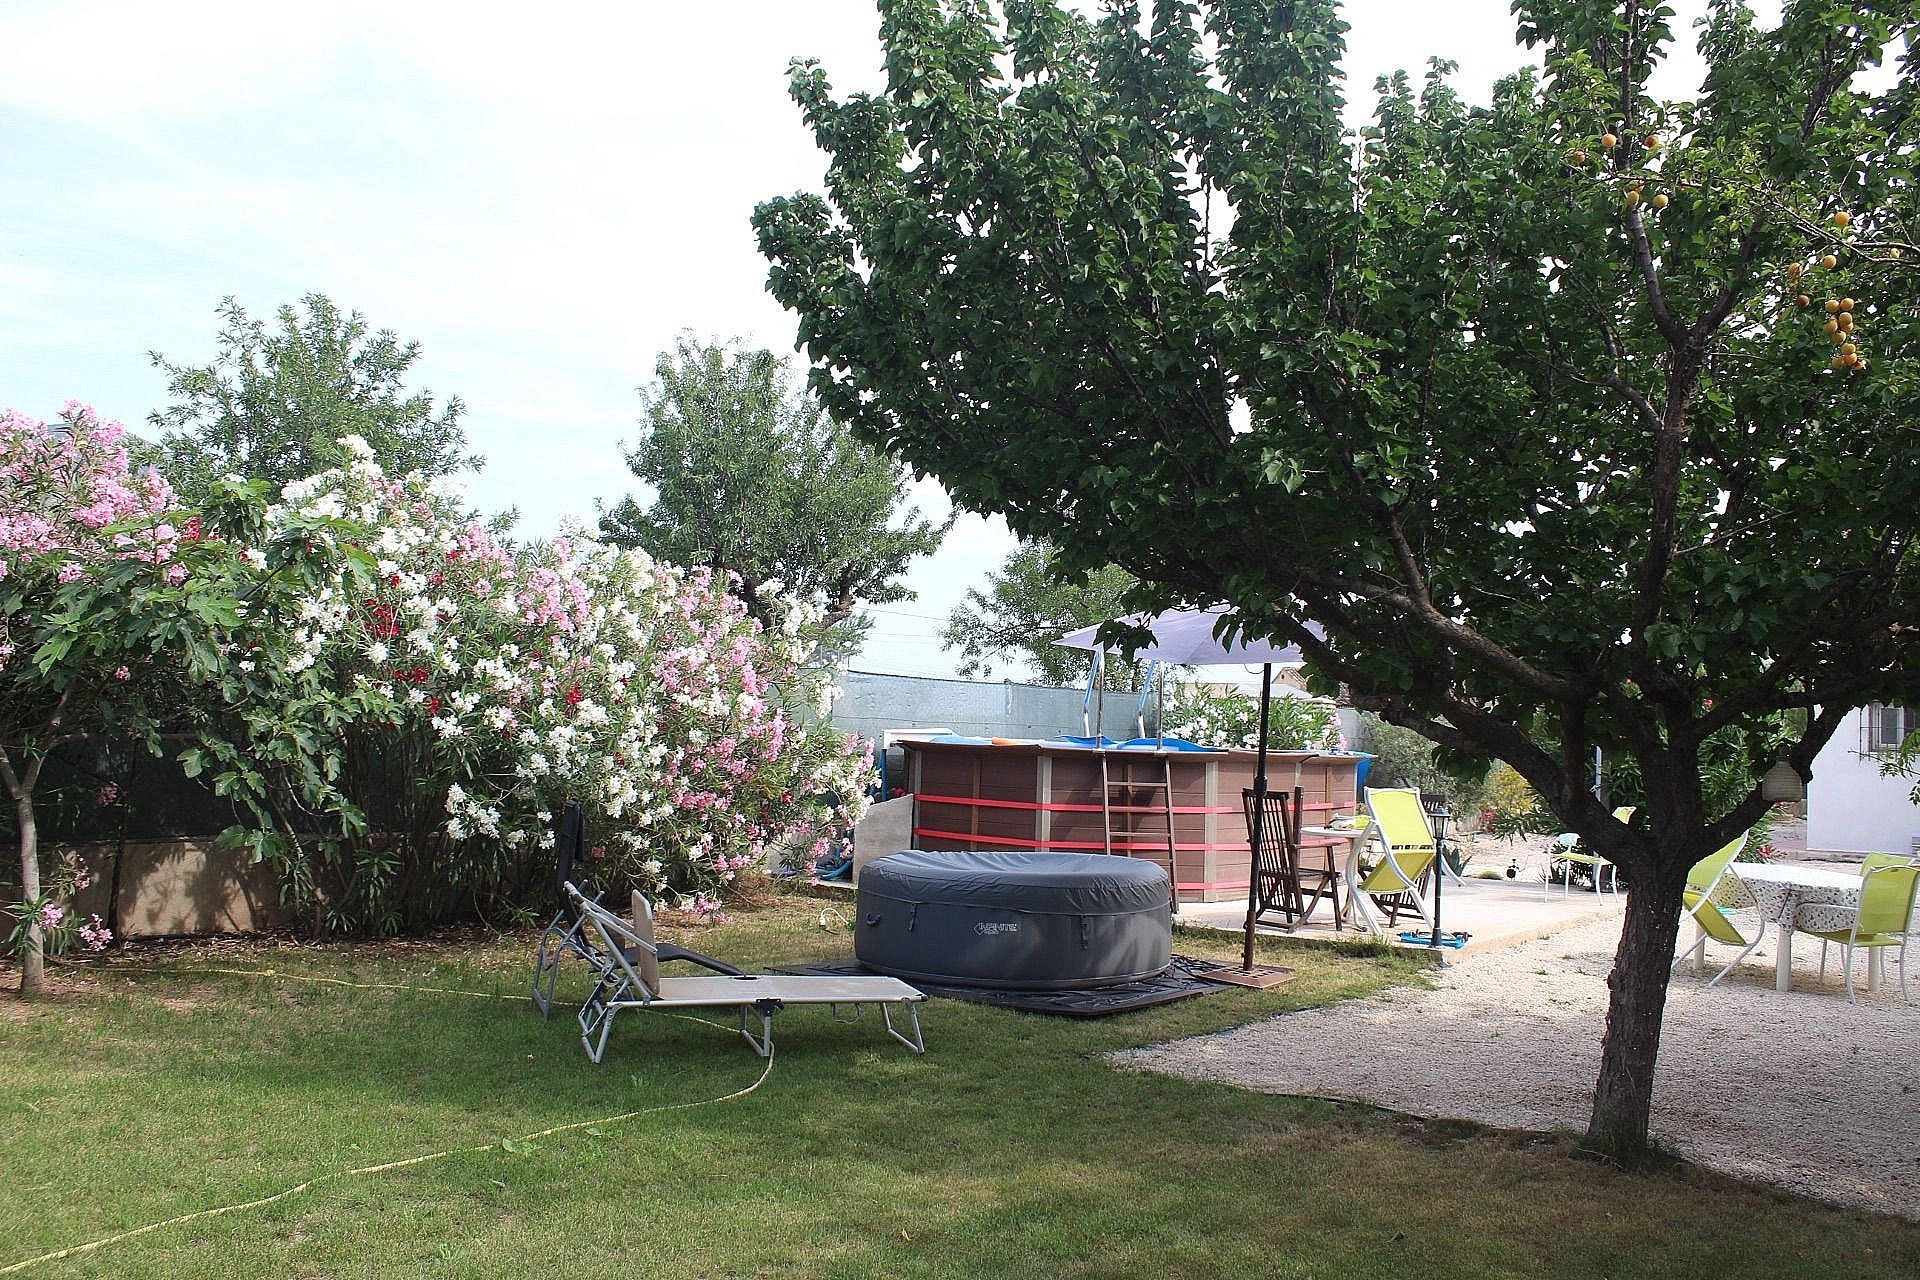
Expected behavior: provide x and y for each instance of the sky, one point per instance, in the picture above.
(542, 196)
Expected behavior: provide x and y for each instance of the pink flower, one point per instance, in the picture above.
(51, 916)
(95, 934)
(110, 793)
(122, 673)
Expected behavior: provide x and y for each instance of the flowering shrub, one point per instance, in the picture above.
(1511, 808)
(502, 681)
(1215, 719)
(59, 928)
(112, 604)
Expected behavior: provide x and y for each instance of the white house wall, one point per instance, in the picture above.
(1851, 807)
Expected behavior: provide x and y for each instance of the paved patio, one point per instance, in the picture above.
(1494, 910)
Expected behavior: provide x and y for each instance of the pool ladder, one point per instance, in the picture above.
(1118, 798)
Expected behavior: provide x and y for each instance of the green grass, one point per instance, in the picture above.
(1013, 1148)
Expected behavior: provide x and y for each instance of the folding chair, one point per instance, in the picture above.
(1567, 849)
(563, 936)
(1884, 919)
(633, 981)
(1407, 854)
(1277, 887)
(1709, 921)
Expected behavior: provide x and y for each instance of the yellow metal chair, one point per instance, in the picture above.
(1709, 921)
(1885, 919)
(1406, 847)
(1567, 850)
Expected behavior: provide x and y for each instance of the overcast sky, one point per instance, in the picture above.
(541, 195)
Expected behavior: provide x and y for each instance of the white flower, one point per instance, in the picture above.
(376, 652)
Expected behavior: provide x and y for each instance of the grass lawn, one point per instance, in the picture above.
(1011, 1149)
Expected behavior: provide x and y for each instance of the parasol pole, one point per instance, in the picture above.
(1259, 816)
(1160, 709)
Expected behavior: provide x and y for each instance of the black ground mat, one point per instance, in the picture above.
(1178, 982)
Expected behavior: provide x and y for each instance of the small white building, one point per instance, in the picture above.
(1851, 806)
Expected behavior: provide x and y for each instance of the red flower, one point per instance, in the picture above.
(419, 675)
(191, 531)
(433, 705)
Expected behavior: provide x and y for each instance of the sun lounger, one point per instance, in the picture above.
(632, 981)
(564, 937)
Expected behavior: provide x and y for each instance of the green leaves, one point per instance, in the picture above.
(1530, 366)
(274, 403)
(750, 476)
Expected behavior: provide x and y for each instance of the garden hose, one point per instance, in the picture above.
(503, 1144)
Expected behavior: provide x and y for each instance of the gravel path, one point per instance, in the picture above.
(1794, 1088)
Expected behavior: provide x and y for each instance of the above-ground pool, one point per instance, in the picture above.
(1063, 797)
(1045, 921)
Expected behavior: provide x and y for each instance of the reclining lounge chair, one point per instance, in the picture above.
(1407, 852)
(632, 981)
(563, 935)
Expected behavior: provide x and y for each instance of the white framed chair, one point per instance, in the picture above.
(1885, 919)
(1710, 923)
(1566, 848)
(1405, 843)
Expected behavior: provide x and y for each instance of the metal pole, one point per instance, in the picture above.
(1259, 816)
(1160, 711)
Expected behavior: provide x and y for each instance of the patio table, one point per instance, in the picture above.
(1801, 898)
(1328, 838)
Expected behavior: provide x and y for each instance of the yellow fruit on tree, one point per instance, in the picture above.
(1803, 301)
(1793, 270)
(1833, 305)
(1846, 304)
(1652, 141)
(1848, 349)
(1841, 218)
(1609, 141)
(1833, 326)
(1660, 201)
(1839, 362)
(1829, 262)
(1845, 321)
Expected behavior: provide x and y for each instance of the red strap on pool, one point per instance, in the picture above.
(1015, 842)
(982, 802)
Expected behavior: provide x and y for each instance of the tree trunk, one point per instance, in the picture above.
(1623, 1098)
(33, 964)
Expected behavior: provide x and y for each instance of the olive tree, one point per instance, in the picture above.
(1578, 419)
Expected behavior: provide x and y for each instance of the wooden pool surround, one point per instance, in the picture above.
(1044, 796)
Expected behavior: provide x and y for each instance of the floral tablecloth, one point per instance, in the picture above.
(1809, 898)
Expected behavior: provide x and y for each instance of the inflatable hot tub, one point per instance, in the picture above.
(1044, 921)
